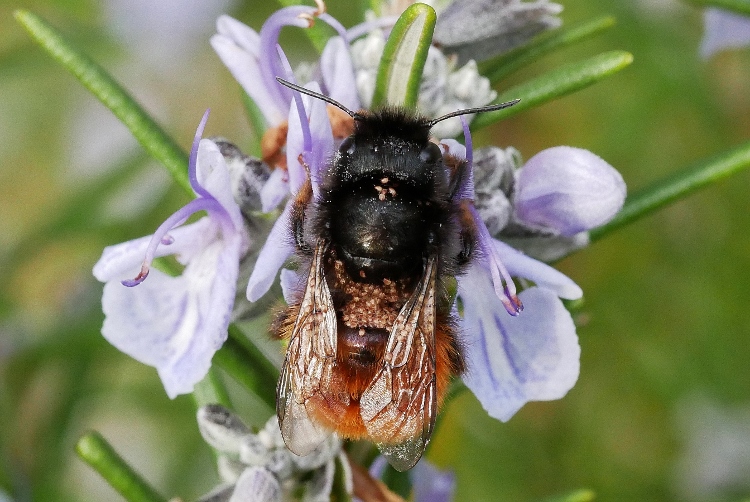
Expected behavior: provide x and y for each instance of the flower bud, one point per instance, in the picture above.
(568, 190)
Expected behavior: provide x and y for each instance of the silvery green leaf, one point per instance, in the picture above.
(253, 451)
(320, 455)
(257, 485)
(271, 434)
(280, 462)
(221, 428)
(547, 248)
(480, 29)
(318, 489)
(494, 169)
(495, 210)
(247, 176)
(229, 469)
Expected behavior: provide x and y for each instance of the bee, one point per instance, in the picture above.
(372, 342)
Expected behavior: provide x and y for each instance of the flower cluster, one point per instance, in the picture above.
(542, 208)
(260, 467)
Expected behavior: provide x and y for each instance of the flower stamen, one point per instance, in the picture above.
(161, 235)
(505, 288)
(204, 202)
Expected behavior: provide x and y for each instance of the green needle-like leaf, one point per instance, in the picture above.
(150, 135)
(404, 57)
(557, 83)
(338, 490)
(211, 390)
(583, 495)
(397, 481)
(739, 6)
(501, 66)
(99, 454)
(677, 186)
(248, 366)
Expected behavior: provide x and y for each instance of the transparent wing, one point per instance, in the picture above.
(309, 362)
(400, 405)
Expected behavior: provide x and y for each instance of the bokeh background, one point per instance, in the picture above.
(662, 407)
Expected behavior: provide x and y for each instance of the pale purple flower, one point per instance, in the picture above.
(253, 60)
(528, 356)
(313, 140)
(516, 359)
(431, 484)
(176, 324)
(567, 190)
(723, 30)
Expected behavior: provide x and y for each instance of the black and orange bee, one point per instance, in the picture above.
(372, 343)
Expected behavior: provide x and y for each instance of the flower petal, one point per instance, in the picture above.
(520, 265)
(121, 260)
(291, 285)
(321, 137)
(272, 256)
(176, 323)
(338, 73)
(568, 189)
(274, 190)
(431, 484)
(270, 64)
(514, 360)
(723, 30)
(221, 428)
(213, 175)
(238, 46)
(257, 484)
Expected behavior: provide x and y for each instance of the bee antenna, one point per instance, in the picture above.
(488, 108)
(319, 96)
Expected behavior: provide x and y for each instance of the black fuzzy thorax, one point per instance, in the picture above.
(385, 204)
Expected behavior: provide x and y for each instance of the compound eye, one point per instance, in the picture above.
(347, 146)
(430, 154)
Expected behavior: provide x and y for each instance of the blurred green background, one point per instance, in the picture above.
(662, 407)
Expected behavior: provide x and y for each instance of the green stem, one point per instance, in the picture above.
(397, 481)
(559, 82)
(676, 186)
(582, 495)
(211, 390)
(248, 366)
(99, 454)
(739, 6)
(148, 133)
(501, 66)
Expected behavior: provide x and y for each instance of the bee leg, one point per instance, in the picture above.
(468, 234)
(298, 217)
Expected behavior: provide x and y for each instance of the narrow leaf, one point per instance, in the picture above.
(404, 57)
(739, 6)
(257, 123)
(677, 186)
(557, 83)
(503, 65)
(211, 390)
(99, 454)
(248, 366)
(398, 482)
(583, 495)
(148, 133)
